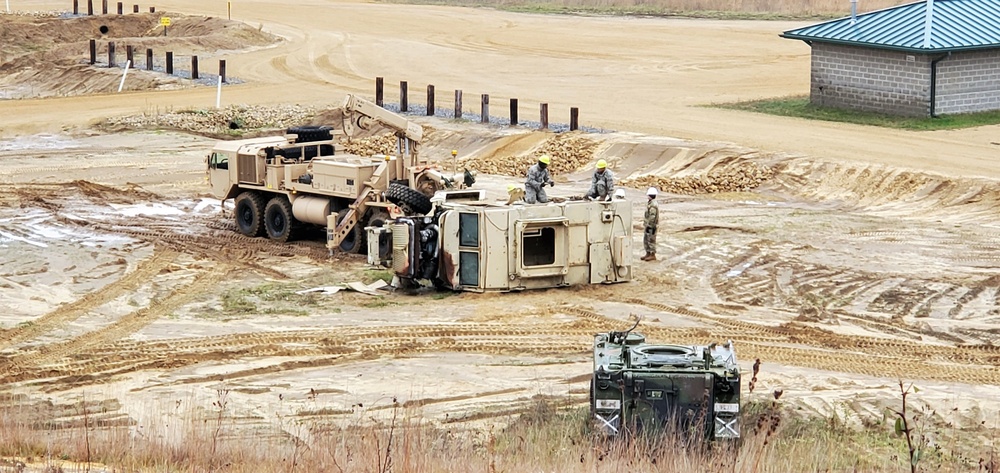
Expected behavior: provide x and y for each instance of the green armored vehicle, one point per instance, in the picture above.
(644, 388)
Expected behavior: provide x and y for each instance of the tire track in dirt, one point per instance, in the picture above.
(123, 356)
(845, 292)
(123, 327)
(815, 348)
(145, 271)
(99, 360)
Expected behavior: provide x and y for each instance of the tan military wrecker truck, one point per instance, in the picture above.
(280, 184)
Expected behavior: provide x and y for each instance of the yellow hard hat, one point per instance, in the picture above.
(545, 159)
(601, 164)
(510, 187)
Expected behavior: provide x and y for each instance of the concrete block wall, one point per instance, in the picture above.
(870, 79)
(968, 82)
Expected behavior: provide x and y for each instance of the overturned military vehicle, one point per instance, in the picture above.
(639, 387)
(465, 243)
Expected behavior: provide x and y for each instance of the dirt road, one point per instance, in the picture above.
(629, 74)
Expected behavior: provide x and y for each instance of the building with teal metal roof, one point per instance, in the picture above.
(919, 59)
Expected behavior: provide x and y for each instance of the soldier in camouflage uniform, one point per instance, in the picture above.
(538, 177)
(650, 222)
(603, 182)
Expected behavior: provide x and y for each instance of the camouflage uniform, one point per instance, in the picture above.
(602, 185)
(534, 183)
(650, 221)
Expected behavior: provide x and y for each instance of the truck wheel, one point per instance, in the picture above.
(412, 198)
(378, 219)
(354, 241)
(278, 219)
(309, 133)
(250, 214)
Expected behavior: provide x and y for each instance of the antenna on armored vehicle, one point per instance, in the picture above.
(619, 338)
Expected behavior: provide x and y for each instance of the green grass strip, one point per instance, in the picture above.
(799, 106)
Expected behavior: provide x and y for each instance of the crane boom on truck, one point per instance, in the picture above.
(283, 183)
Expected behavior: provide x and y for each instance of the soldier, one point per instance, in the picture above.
(603, 182)
(651, 220)
(538, 177)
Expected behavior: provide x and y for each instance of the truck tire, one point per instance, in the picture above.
(279, 221)
(309, 133)
(378, 219)
(354, 242)
(411, 198)
(250, 214)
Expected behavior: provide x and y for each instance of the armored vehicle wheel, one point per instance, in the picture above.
(378, 219)
(354, 241)
(250, 214)
(412, 198)
(278, 219)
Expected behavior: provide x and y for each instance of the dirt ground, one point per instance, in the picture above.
(867, 257)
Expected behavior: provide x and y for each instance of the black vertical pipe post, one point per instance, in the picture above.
(93, 51)
(513, 112)
(484, 116)
(574, 118)
(121, 8)
(458, 104)
(104, 7)
(129, 57)
(149, 59)
(379, 91)
(170, 62)
(76, 7)
(135, 8)
(430, 100)
(543, 116)
(404, 97)
(111, 54)
(90, 7)
(222, 69)
(194, 67)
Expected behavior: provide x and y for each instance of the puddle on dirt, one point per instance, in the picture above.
(40, 141)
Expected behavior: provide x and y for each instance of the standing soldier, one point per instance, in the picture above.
(603, 182)
(651, 220)
(538, 177)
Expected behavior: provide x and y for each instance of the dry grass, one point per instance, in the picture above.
(399, 439)
(698, 8)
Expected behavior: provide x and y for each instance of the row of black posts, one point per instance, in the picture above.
(104, 7)
(574, 112)
(149, 59)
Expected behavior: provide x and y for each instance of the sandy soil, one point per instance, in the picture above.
(125, 282)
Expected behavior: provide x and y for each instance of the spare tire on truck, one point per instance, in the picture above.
(310, 133)
(411, 198)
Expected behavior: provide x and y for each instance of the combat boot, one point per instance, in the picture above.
(651, 257)
(645, 257)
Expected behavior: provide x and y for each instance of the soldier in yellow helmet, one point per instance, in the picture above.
(602, 185)
(538, 177)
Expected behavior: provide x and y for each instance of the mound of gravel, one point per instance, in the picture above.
(736, 177)
(569, 152)
(231, 120)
